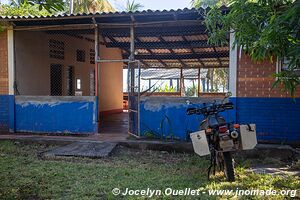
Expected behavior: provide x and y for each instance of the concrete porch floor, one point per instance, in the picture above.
(112, 128)
(114, 124)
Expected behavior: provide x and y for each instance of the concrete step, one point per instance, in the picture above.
(83, 149)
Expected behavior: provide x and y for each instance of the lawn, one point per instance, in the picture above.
(25, 174)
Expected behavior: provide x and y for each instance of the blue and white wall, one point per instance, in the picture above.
(275, 114)
(40, 114)
(165, 117)
(29, 106)
(45, 114)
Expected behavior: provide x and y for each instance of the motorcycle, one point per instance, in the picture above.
(222, 137)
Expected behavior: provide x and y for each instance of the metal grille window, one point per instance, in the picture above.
(92, 56)
(80, 55)
(56, 49)
(284, 65)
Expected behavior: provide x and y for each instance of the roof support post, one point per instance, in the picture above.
(181, 83)
(97, 57)
(199, 81)
(131, 58)
(132, 48)
(11, 60)
(97, 71)
(12, 84)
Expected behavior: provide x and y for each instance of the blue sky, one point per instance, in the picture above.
(149, 4)
(154, 4)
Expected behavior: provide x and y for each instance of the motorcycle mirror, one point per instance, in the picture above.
(228, 94)
(188, 102)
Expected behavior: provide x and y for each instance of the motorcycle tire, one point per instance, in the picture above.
(228, 166)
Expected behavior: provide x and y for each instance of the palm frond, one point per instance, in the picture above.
(132, 6)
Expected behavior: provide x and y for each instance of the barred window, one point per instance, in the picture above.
(56, 49)
(92, 56)
(80, 55)
(284, 65)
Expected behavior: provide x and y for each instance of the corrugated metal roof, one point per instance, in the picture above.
(98, 14)
(182, 43)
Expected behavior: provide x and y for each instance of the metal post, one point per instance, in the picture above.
(199, 81)
(71, 6)
(139, 98)
(97, 57)
(131, 58)
(181, 82)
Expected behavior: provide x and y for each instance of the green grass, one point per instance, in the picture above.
(26, 175)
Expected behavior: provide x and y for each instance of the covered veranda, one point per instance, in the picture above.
(159, 50)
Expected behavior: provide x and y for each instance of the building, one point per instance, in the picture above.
(62, 74)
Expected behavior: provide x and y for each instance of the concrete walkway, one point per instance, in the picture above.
(117, 137)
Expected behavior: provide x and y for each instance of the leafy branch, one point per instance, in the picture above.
(264, 29)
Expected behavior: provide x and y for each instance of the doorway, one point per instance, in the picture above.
(55, 80)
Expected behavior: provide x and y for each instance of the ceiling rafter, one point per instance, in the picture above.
(161, 45)
(193, 51)
(182, 56)
(217, 57)
(172, 51)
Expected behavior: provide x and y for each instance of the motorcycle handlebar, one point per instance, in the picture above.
(191, 111)
(214, 108)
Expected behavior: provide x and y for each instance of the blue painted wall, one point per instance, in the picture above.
(166, 118)
(7, 113)
(56, 115)
(277, 119)
(4, 112)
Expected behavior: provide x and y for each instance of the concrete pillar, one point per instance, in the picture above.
(232, 66)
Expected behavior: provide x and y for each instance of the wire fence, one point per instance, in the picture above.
(55, 63)
(174, 61)
(169, 61)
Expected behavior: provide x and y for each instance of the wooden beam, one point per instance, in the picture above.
(181, 56)
(172, 51)
(155, 31)
(193, 51)
(161, 45)
(218, 57)
(162, 62)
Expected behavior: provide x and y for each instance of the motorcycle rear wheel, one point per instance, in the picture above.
(228, 166)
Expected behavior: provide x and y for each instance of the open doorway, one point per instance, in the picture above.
(112, 118)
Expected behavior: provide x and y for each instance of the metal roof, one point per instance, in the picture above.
(162, 74)
(168, 39)
(115, 14)
(107, 17)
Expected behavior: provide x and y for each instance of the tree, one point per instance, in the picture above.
(132, 6)
(209, 3)
(22, 9)
(87, 6)
(264, 29)
(48, 5)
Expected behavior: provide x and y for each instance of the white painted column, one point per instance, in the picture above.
(11, 61)
(232, 66)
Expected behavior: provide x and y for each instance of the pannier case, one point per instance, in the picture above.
(248, 136)
(200, 143)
